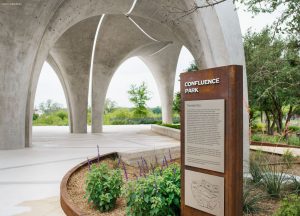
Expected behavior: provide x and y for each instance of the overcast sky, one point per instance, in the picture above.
(134, 71)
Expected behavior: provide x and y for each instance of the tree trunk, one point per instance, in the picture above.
(272, 128)
(286, 126)
(269, 129)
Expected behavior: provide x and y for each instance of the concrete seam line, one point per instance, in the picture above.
(92, 57)
(132, 7)
(145, 33)
(161, 49)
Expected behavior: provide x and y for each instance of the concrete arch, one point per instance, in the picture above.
(51, 61)
(212, 35)
(138, 43)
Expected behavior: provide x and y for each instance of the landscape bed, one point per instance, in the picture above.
(73, 199)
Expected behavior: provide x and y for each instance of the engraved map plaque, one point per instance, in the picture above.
(204, 192)
(204, 134)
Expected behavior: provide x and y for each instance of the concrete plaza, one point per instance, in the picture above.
(30, 177)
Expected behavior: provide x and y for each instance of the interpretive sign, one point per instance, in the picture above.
(204, 129)
(212, 141)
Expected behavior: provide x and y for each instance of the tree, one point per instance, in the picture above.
(49, 107)
(156, 110)
(273, 77)
(139, 95)
(193, 67)
(177, 102)
(289, 21)
(109, 106)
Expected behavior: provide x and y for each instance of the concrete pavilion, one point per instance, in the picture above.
(86, 41)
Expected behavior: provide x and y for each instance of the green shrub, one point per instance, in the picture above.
(62, 114)
(256, 138)
(273, 180)
(175, 126)
(155, 195)
(289, 206)
(294, 128)
(259, 127)
(293, 140)
(103, 186)
(288, 158)
(35, 116)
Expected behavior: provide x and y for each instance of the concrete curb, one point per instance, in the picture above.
(166, 131)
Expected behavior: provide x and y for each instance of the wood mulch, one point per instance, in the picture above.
(76, 191)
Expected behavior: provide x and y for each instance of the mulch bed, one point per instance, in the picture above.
(76, 189)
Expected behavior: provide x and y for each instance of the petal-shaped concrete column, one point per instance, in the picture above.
(163, 66)
(59, 74)
(22, 27)
(72, 52)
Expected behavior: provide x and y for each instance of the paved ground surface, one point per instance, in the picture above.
(30, 178)
(276, 150)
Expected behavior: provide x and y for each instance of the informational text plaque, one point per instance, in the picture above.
(204, 134)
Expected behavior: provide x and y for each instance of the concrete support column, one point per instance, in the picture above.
(72, 52)
(101, 79)
(163, 66)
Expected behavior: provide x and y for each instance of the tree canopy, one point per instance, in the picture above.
(273, 67)
(139, 95)
(287, 23)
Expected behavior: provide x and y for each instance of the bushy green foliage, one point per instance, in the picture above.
(292, 139)
(58, 118)
(175, 126)
(288, 157)
(123, 116)
(35, 116)
(258, 127)
(177, 102)
(103, 186)
(294, 128)
(155, 195)
(289, 206)
(273, 76)
(139, 95)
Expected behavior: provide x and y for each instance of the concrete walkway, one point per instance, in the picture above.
(30, 178)
(276, 150)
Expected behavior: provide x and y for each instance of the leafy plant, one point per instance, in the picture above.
(103, 186)
(290, 206)
(156, 194)
(273, 180)
(177, 102)
(288, 158)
